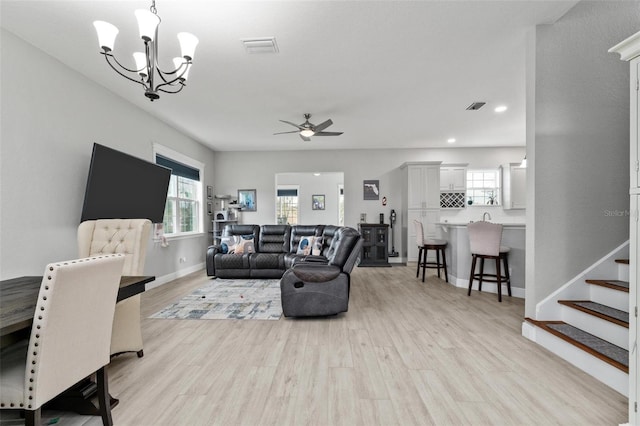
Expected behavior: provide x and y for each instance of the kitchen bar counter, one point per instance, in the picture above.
(459, 256)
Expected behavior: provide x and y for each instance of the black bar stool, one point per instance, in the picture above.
(423, 249)
(484, 241)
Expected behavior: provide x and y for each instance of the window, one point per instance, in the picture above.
(183, 211)
(483, 187)
(287, 205)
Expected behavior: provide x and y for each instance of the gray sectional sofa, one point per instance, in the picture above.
(314, 262)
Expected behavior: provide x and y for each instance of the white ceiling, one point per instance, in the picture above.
(390, 74)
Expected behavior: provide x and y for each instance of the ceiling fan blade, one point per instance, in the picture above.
(304, 138)
(282, 133)
(328, 133)
(320, 127)
(293, 124)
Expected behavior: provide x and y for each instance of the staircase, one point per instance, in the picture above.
(586, 322)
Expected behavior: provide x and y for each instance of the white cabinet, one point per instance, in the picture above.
(421, 202)
(629, 50)
(423, 182)
(453, 178)
(514, 186)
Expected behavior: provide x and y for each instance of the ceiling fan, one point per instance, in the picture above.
(307, 129)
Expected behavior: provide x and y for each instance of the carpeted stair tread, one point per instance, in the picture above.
(599, 310)
(623, 261)
(606, 351)
(613, 284)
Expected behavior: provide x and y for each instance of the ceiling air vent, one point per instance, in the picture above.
(260, 45)
(475, 106)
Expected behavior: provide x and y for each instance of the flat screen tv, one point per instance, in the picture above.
(121, 186)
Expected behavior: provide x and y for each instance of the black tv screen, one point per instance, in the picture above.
(121, 186)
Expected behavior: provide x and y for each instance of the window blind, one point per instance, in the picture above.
(287, 192)
(178, 169)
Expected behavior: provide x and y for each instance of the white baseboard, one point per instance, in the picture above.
(175, 275)
(486, 287)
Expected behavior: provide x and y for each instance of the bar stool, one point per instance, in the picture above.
(484, 241)
(423, 248)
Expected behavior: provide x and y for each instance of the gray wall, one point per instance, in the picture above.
(51, 116)
(581, 148)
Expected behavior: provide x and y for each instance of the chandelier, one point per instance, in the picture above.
(147, 72)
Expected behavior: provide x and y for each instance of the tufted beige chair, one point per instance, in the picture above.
(69, 337)
(129, 237)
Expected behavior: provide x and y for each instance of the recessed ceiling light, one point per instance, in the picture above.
(451, 140)
(316, 174)
(500, 108)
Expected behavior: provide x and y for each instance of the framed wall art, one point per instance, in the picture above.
(371, 189)
(247, 199)
(317, 202)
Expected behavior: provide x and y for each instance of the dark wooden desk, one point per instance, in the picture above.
(18, 297)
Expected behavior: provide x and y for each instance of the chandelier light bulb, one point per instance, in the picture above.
(141, 63)
(180, 63)
(188, 43)
(106, 35)
(147, 24)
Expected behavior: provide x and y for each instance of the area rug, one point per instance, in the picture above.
(228, 299)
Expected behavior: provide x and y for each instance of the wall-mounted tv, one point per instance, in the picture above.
(121, 186)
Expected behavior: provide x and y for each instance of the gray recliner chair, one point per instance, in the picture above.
(320, 285)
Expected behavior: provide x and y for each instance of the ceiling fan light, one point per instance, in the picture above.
(307, 133)
(188, 43)
(147, 24)
(106, 35)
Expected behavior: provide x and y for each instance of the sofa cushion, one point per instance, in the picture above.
(243, 231)
(274, 239)
(267, 261)
(305, 245)
(231, 261)
(299, 231)
(237, 244)
(245, 245)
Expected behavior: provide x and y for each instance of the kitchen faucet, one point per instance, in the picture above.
(485, 215)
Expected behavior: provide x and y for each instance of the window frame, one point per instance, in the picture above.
(497, 188)
(200, 207)
(297, 196)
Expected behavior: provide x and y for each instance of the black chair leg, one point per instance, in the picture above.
(419, 258)
(473, 270)
(424, 262)
(481, 274)
(499, 279)
(104, 402)
(444, 264)
(438, 261)
(506, 273)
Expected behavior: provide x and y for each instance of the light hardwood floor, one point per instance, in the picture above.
(406, 353)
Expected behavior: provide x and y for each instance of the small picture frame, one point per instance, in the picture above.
(247, 199)
(210, 208)
(209, 192)
(317, 202)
